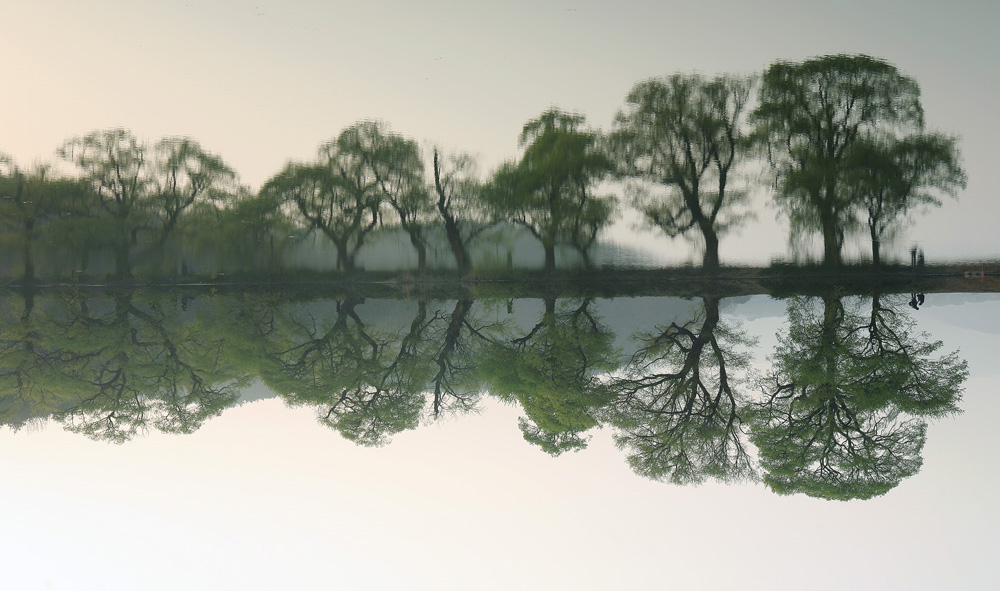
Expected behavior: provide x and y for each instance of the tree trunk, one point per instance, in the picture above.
(418, 243)
(457, 246)
(831, 243)
(710, 262)
(550, 257)
(122, 268)
(876, 244)
(29, 263)
(345, 261)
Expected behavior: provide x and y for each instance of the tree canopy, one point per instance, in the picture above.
(811, 115)
(684, 133)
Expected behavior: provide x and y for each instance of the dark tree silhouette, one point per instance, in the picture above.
(809, 118)
(550, 191)
(677, 403)
(685, 133)
(838, 415)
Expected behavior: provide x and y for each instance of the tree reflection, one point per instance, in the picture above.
(366, 383)
(677, 403)
(842, 407)
(112, 367)
(551, 371)
(841, 412)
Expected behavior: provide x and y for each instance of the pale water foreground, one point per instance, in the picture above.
(262, 496)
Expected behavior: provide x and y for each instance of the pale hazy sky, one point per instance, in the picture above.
(261, 82)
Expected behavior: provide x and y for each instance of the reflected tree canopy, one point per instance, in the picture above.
(839, 412)
(551, 372)
(677, 406)
(844, 403)
(112, 367)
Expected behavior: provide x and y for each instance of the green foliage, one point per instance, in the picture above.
(362, 173)
(33, 205)
(684, 133)
(113, 162)
(841, 411)
(553, 373)
(112, 367)
(185, 174)
(891, 177)
(810, 116)
(677, 402)
(550, 190)
(366, 384)
(132, 195)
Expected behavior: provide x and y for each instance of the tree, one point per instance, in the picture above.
(809, 118)
(842, 407)
(113, 163)
(676, 406)
(360, 173)
(458, 204)
(29, 200)
(550, 190)
(371, 156)
(891, 177)
(685, 133)
(185, 174)
(344, 209)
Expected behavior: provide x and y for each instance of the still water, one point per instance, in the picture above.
(254, 440)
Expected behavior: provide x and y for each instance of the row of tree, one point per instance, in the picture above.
(840, 412)
(843, 135)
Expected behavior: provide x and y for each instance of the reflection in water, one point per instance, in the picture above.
(677, 406)
(839, 413)
(843, 403)
(551, 372)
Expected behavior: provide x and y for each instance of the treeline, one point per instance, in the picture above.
(839, 411)
(843, 137)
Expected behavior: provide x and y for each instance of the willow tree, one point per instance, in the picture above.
(371, 158)
(685, 133)
(321, 199)
(186, 174)
(810, 116)
(550, 191)
(843, 406)
(113, 162)
(891, 178)
(32, 200)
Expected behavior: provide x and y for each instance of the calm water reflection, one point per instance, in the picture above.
(837, 408)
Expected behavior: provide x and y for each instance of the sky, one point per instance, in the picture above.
(264, 82)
